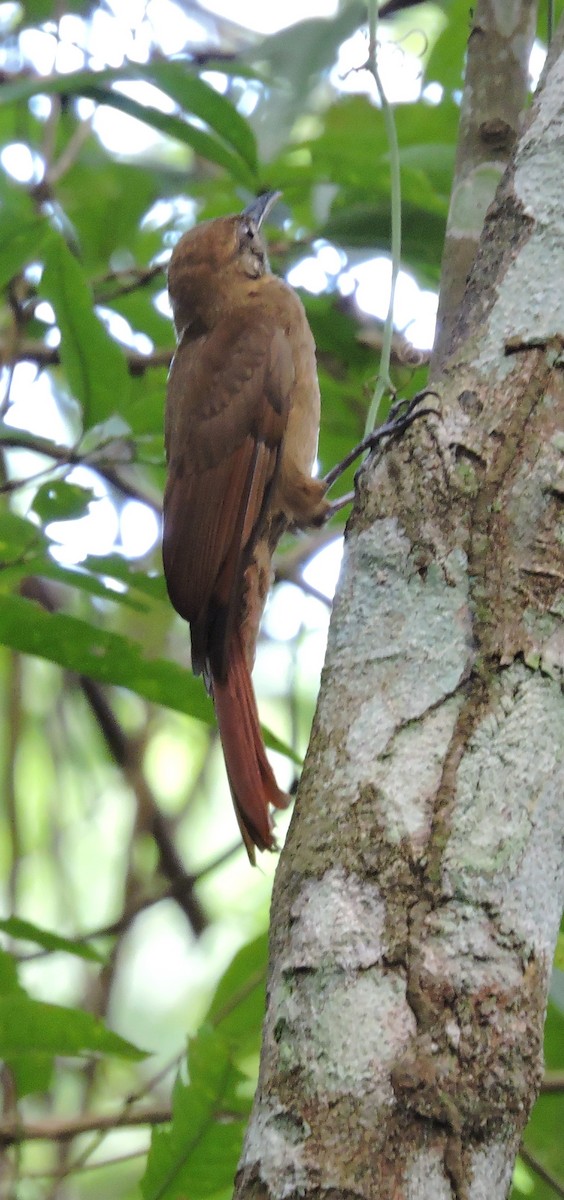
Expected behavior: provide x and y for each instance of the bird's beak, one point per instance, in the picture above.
(260, 208)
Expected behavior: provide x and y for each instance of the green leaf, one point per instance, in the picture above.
(75, 577)
(194, 95)
(32, 1073)
(9, 983)
(368, 225)
(94, 364)
(238, 1006)
(353, 152)
(37, 11)
(336, 334)
(26, 931)
(352, 146)
(30, 1027)
(61, 501)
(77, 646)
(116, 567)
(421, 123)
(19, 539)
(203, 102)
(197, 1156)
(32, 1033)
(21, 230)
(555, 10)
(25, 550)
(106, 201)
(144, 413)
(434, 161)
(203, 143)
(19, 246)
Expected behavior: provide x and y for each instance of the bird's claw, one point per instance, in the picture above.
(395, 424)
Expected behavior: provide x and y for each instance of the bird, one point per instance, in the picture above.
(241, 432)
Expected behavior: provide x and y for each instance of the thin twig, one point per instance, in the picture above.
(126, 753)
(72, 456)
(29, 350)
(307, 588)
(9, 1165)
(50, 129)
(182, 884)
(13, 736)
(535, 1165)
(553, 1082)
(304, 549)
(68, 156)
(289, 566)
(64, 1129)
(101, 1163)
(127, 280)
(383, 383)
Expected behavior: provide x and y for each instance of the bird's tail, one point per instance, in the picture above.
(251, 779)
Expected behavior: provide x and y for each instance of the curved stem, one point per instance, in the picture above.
(383, 383)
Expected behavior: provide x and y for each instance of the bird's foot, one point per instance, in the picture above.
(395, 424)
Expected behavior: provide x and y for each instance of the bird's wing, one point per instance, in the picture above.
(227, 409)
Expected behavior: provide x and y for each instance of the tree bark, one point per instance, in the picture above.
(417, 901)
(495, 92)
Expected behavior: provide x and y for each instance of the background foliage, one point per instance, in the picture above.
(126, 893)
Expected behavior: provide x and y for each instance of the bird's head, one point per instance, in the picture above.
(211, 262)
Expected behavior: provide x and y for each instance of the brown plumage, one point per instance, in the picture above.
(242, 422)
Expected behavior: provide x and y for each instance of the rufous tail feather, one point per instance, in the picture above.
(251, 778)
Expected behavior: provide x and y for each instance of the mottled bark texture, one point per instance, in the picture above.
(496, 84)
(417, 901)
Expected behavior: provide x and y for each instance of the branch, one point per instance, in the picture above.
(106, 468)
(125, 281)
(307, 588)
(304, 549)
(71, 152)
(101, 1164)
(185, 883)
(49, 356)
(552, 1083)
(535, 1165)
(64, 1129)
(126, 752)
(288, 567)
(12, 743)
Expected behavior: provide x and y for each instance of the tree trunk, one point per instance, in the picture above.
(417, 901)
(495, 93)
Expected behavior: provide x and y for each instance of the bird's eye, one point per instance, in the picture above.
(248, 230)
